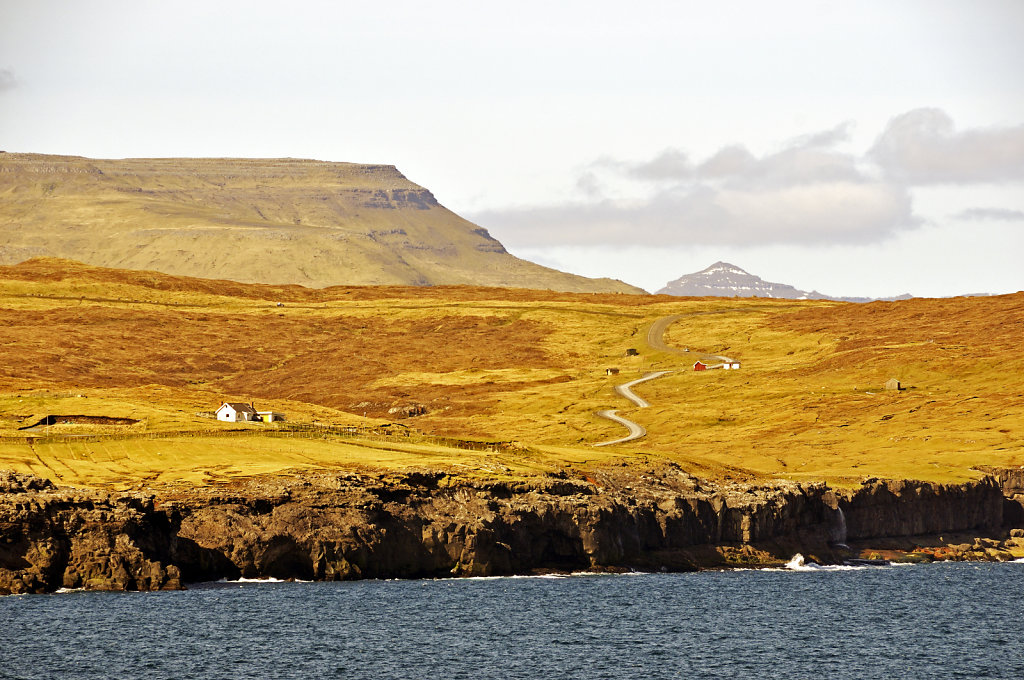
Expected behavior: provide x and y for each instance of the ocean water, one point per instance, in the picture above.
(924, 621)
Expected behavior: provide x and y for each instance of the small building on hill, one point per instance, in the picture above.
(611, 371)
(632, 352)
(700, 366)
(236, 413)
(893, 384)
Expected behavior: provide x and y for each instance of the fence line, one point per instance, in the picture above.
(299, 431)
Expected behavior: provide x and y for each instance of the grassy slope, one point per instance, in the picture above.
(271, 221)
(500, 364)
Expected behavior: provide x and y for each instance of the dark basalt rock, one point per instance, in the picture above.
(60, 538)
(424, 524)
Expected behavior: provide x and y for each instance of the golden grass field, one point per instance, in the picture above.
(495, 365)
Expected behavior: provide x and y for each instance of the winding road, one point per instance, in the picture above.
(656, 341)
(656, 337)
(635, 431)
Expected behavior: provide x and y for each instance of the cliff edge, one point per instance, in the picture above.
(425, 524)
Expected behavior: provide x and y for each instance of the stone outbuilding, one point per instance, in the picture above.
(893, 384)
(611, 371)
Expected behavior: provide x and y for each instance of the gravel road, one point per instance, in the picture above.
(635, 431)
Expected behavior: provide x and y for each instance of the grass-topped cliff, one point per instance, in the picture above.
(276, 221)
(499, 365)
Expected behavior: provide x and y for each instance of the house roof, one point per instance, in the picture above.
(239, 408)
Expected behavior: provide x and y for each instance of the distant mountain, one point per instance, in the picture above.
(727, 280)
(278, 221)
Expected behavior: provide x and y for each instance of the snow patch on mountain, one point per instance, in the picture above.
(727, 280)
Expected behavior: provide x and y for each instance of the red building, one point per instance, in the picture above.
(698, 366)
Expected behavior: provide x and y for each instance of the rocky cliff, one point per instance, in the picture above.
(426, 524)
(62, 538)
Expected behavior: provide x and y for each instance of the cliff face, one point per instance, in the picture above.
(885, 508)
(423, 525)
(51, 539)
(1011, 481)
(419, 526)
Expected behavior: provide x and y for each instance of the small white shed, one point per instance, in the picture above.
(236, 413)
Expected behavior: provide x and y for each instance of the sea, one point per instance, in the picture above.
(942, 620)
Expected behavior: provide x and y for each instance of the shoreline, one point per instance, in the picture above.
(425, 525)
(804, 569)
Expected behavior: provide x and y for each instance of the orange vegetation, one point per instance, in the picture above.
(514, 364)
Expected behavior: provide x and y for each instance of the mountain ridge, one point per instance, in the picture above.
(276, 221)
(727, 280)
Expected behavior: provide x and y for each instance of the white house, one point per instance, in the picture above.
(235, 413)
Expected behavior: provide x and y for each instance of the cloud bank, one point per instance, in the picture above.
(807, 193)
(923, 147)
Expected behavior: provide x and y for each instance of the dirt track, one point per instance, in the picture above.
(656, 341)
(635, 431)
(656, 338)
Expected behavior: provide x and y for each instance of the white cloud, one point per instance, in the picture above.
(730, 160)
(7, 80)
(826, 212)
(806, 193)
(811, 191)
(923, 147)
(668, 165)
(998, 214)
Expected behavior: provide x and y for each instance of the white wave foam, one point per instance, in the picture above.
(268, 579)
(512, 576)
(573, 574)
(797, 563)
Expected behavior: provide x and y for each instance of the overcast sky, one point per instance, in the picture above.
(868, 148)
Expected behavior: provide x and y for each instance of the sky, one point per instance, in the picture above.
(871, 148)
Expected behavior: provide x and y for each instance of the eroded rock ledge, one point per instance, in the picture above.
(426, 524)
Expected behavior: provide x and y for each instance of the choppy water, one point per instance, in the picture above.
(927, 621)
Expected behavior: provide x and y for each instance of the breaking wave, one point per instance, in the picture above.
(798, 563)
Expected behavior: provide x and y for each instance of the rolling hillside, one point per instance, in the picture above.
(277, 221)
(493, 364)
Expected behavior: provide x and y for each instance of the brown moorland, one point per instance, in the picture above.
(499, 365)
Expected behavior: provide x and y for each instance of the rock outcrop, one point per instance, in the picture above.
(884, 508)
(62, 538)
(1011, 481)
(425, 524)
